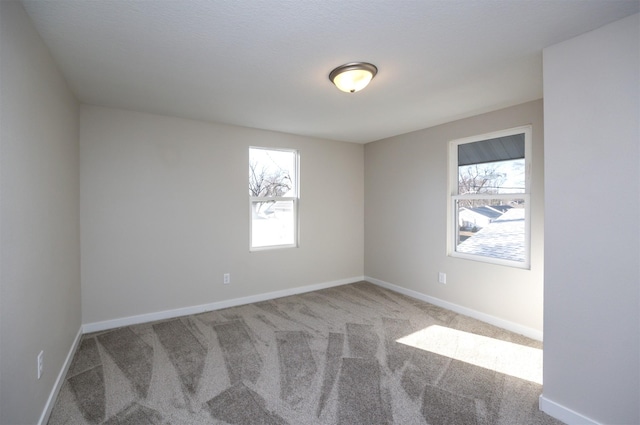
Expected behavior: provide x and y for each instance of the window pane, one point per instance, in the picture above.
(272, 223)
(492, 177)
(492, 150)
(272, 173)
(491, 228)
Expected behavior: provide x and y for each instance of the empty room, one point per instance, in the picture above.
(320, 212)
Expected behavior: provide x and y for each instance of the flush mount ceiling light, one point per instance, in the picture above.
(352, 77)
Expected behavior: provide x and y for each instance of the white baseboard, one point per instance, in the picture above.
(185, 311)
(563, 413)
(48, 407)
(496, 321)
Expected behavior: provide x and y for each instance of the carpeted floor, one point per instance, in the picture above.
(354, 354)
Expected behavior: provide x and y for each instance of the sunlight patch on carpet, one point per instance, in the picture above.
(504, 357)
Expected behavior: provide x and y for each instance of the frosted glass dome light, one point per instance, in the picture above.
(353, 77)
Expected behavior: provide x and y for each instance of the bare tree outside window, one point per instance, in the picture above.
(479, 179)
(267, 180)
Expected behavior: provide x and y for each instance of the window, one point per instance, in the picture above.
(489, 197)
(273, 198)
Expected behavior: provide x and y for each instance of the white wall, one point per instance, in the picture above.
(406, 222)
(165, 212)
(592, 255)
(39, 219)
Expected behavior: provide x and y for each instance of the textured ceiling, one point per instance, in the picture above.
(265, 64)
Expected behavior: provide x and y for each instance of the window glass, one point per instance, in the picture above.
(490, 198)
(273, 193)
(495, 229)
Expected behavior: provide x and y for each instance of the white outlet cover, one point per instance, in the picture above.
(40, 363)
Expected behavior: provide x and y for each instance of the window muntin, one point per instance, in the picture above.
(489, 197)
(273, 198)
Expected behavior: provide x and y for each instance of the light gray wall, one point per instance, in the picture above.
(165, 212)
(39, 218)
(592, 256)
(406, 221)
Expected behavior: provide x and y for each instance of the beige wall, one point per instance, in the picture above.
(165, 212)
(592, 254)
(39, 219)
(406, 221)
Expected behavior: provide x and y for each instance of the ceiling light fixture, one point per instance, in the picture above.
(353, 77)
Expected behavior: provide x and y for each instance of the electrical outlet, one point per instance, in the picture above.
(226, 278)
(442, 278)
(40, 363)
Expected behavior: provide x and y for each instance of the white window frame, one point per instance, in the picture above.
(452, 210)
(295, 199)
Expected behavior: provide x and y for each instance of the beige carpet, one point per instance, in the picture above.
(355, 354)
